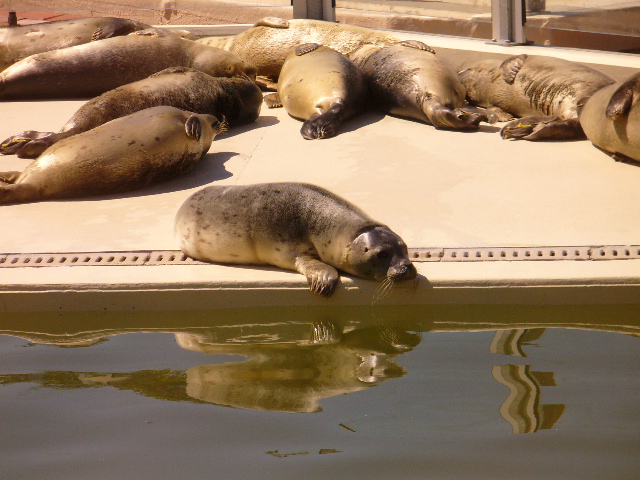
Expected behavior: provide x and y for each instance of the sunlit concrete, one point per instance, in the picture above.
(435, 188)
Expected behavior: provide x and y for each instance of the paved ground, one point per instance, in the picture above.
(437, 189)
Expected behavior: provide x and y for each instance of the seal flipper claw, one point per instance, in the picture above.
(417, 44)
(622, 99)
(321, 277)
(272, 100)
(193, 127)
(441, 116)
(511, 66)
(535, 128)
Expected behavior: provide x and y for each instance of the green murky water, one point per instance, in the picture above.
(467, 392)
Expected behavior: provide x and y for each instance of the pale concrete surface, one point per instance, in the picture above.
(435, 188)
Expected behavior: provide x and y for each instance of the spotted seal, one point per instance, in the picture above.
(127, 153)
(271, 40)
(237, 100)
(295, 226)
(611, 119)
(94, 68)
(321, 86)
(546, 91)
(20, 42)
(409, 80)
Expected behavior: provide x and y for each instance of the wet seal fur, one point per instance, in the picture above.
(128, 153)
(321, 86)
(547, 92)
(409, 80)
(611, 119)
(97, 67)
(237, 100)
(295, 226)
(20, 42)
(271, 40)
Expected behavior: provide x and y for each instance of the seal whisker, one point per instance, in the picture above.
(383, 289)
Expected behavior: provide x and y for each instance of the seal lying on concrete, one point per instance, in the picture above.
(237, 100)
(97, 67)
(294, 226)
(127, 153)
(611, 119)
(321, 86)
(546, 91)
(20, 42)
(271, 40)
(408, 79)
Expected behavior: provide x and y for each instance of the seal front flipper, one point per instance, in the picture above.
(622, 99)
(274, 22)
(444, 117)
(29, 144)
(273, 100)
(543, 128)
(417, 44)
(511, 66)
(322, 278)
(9, 177)
(117, 28)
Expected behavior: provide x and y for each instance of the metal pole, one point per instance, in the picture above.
(508, 18)
(314, 9)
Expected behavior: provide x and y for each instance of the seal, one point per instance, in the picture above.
(237, 100)
(320, 86)
(611, 119)
(271, 40)
(409, 80)
(548, 92)
(130, 152)
(94, 68)
(295, 226)
(20, 42)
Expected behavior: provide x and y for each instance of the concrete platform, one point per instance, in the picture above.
(437, 189)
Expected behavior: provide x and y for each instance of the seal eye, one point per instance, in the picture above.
(366, 249)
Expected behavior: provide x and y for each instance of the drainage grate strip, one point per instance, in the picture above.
(481, 254)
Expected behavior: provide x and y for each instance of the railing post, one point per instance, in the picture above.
(508, 18)
(314, 9)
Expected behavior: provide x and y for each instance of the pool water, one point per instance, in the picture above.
(466, 392)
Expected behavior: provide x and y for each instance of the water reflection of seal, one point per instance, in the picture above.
(271, 40)
(19, 42)
(131, 152)
(611, 119)
(236, 99)
(408, 79)
(295, 226)
(93, 68)
(321, 86)
(547, 91)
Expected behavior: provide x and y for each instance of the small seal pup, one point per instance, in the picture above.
(546, 91)
(407, 79)
(237, 100)
(295, 226)
(94, 68)
(127, 153)
(611, 119)
(320, 86)
(271, 40)
(19, 42)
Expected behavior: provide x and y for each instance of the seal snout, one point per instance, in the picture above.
(402, 270)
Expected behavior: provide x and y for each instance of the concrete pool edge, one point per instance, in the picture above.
(193, 287)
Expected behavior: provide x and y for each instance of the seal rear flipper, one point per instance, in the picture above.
(273, 100)
(18, 193)
(322, 278)
(29, 144)
(511, 66)
(536, 128)
(622, 99)
(324, 125)
(9, 177)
